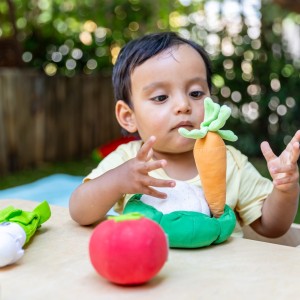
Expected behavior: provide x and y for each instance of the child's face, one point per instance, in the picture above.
(167, 93)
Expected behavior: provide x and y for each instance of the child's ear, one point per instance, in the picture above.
(125, 116)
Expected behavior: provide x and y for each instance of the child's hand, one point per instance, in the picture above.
(284, 169)
(137, 169)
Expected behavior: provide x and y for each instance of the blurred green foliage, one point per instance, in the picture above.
(256, 68)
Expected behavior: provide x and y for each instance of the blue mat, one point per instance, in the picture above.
(55, 189)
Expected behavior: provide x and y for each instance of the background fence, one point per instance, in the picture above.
(52, 118)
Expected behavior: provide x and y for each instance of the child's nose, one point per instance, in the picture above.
(182, 105)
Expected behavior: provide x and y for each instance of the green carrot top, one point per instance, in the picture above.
(215, 117)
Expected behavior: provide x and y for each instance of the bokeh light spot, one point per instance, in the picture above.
(50, 69)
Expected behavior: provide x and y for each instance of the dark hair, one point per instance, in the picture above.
(138, 51)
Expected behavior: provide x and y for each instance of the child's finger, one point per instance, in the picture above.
(149, 154)
(284, 168)
(154, 193)
(154, 182)
(295, 152)
(285, 180)
(145, 153)
(157, 194)
(267, 151)
(156, 164)
(296, 138)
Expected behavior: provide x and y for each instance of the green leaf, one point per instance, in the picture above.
(223, 116)
(211, 111)
(227, 135)
(193, 134)
(215, 117)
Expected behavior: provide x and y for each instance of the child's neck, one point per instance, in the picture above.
(180, 166)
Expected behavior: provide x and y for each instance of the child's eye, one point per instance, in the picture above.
(196, 94)
(159, 98)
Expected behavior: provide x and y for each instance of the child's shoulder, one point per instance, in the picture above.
(130, 149)
(121, 154)
(236, 156)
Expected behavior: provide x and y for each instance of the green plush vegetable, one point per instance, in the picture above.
(16, 228)
(187, 229)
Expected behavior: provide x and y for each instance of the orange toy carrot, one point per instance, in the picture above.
(210, 153)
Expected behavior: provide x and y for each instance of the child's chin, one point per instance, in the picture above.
(185, 144)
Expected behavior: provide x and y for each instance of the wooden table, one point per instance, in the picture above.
(56, 265)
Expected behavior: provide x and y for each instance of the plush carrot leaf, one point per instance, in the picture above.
(193, 134)
(212, 110)
(215, 117)
(227, 135)
(222, 117)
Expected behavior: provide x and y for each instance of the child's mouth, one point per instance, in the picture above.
(184, 124)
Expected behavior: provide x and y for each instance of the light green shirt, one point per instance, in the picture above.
(246, 189)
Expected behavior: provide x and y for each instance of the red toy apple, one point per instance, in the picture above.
(128, 249)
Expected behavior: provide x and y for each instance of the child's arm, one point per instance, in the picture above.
(93, 199)
(280, 207)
